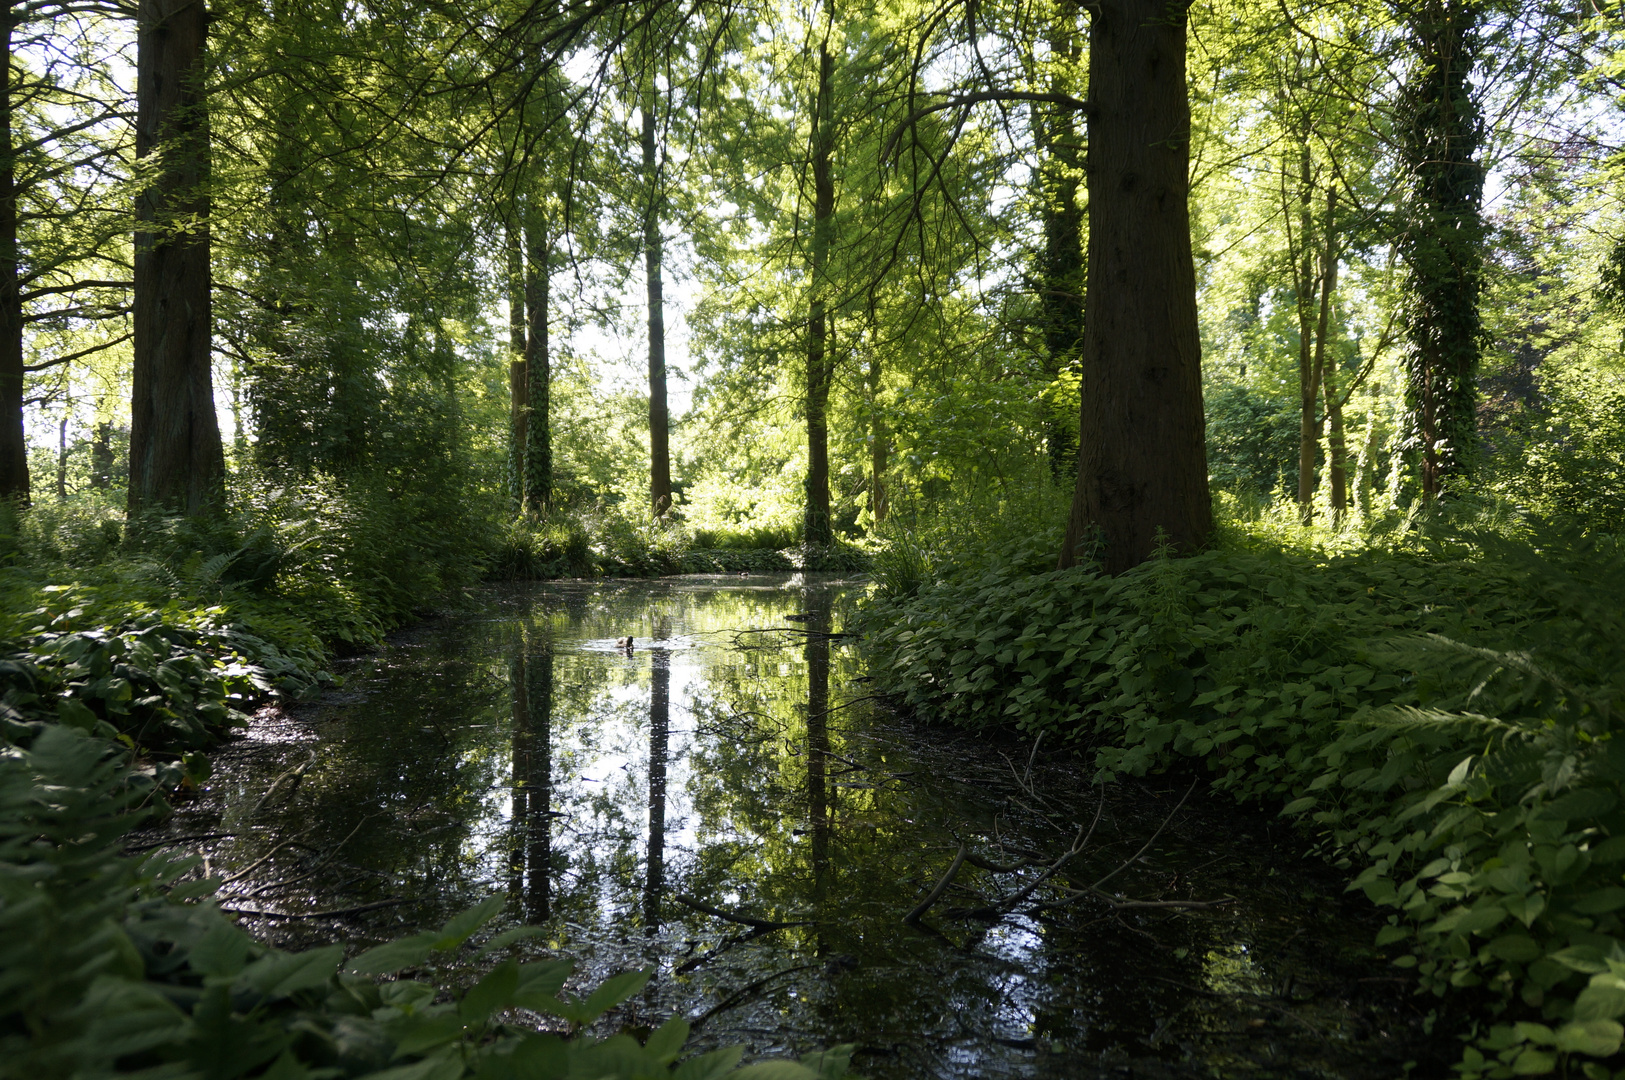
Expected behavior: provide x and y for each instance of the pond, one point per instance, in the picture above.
(727, 804)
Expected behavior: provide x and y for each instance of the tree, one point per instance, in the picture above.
(820, 366)
(176, 461)
(1142, 471)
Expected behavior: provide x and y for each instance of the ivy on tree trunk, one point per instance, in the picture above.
(1441, 241)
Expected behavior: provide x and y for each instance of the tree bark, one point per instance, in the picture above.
(659, 418)
(815, 521)
(518, 374)
(538, 444)
(13, 444)
(1142, 468)
(176, 461)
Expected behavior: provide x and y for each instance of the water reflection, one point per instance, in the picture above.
(722, 804)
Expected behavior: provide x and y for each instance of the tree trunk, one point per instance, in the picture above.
(815, 522)
(176, 461)
(1442, 246)
(1335, 450)
(538, 442)
(659, 419)
(1061, 277)
(1308, 368)
(62, 458)
(518, 375)
(1142, 465)
(101, 457)
(13, 444)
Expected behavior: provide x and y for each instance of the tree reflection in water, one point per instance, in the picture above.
(740, 766)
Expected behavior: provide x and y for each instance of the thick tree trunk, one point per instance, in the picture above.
(538, 442)
(1440, 130)
(815, 523)
(1061, 277)
(659, 418)
(1143, 460)
(176, 461)
(518, 374)
(13, 445)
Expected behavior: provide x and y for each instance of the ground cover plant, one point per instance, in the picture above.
(1443, 719)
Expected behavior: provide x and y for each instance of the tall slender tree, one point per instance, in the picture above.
(659, 417)
(13, 447)
(816, 529)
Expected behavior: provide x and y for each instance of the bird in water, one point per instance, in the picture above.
(624, 643)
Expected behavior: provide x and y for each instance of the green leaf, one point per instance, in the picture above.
(775, 1070)
(457, 931)
(1604, 999)
(392, 956)
(542, 979)
(491, 993)
(709, 1066)
(1599, 1038)
(1582, 804)
(830, 1064)
(667, 1040)
(447, 1065)
(614, 991)
(221, 951)
(280, 974)
(1516, 948)
(1298, 806)
(1390, 934)
(508, 937)
(1601, 901)
(1534, 1062)
(406, 994)
(416, 1032)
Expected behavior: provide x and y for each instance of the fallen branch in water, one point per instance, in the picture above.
(942, 886)
(742, 920)
(334, 913)
(743, 992)
(1009, 903)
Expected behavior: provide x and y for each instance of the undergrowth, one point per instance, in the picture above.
(1442, 714)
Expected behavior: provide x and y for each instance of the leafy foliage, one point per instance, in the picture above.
(1446, 721)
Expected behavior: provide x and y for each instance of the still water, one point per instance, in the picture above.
(727, 804)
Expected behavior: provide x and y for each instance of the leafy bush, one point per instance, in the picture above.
(1447, 721)
(756, 537)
